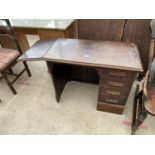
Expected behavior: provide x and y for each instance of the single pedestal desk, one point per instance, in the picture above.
(116, 63)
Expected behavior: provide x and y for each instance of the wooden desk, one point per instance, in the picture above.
(116, 63)
(44, 28)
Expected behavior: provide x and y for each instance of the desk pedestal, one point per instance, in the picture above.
(114, 88)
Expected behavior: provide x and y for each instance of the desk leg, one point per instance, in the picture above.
(114, 88)
(60, 75)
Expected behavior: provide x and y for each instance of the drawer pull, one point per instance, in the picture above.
(113, 92)
(118, 84)
(120, 74)
(111, 100)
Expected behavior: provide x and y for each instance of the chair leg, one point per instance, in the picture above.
(140, 77)
(142, 114)
(134, 115)
(27, 69)
(10, 70)
(9, 84)
(1, 76)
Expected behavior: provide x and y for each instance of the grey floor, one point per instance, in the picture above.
(34, 109)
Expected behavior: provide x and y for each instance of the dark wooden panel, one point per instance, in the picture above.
(77, 73)
(138, 32)
(71, 31)
(90, 76)
(101, 29)
(60, 75)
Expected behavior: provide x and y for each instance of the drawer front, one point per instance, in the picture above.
(116, 82)
(112, 99)
(114, 91)
(117, 73)
(115, 86)
(104, 106)
(113, 95)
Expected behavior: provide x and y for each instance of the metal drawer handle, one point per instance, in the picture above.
(113, 92)
(111, 100)
(120, 74)
(113, 83)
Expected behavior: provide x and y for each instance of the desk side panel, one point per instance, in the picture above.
(60, 75)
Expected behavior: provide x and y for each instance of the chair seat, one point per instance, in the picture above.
(7, 56)
(150, 105)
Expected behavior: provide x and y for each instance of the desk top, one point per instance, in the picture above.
(108, 54)
(60, 24)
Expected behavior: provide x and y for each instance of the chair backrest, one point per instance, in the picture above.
(8, 24)
(8, 40)
(4, 30)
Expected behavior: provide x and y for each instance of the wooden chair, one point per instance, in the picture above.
(9, 53)
(144, 101)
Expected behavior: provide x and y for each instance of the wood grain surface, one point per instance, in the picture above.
(108, 54)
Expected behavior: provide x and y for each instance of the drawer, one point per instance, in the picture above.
(114, 91)
(103, 106)
(116, 82)
(117, 73)
(121, 100)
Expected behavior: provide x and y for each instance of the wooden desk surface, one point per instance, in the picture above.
(108, 54)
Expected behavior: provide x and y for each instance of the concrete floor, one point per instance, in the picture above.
(34, 109)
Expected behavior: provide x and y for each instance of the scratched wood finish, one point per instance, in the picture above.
(95, 53)
(87, 53)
